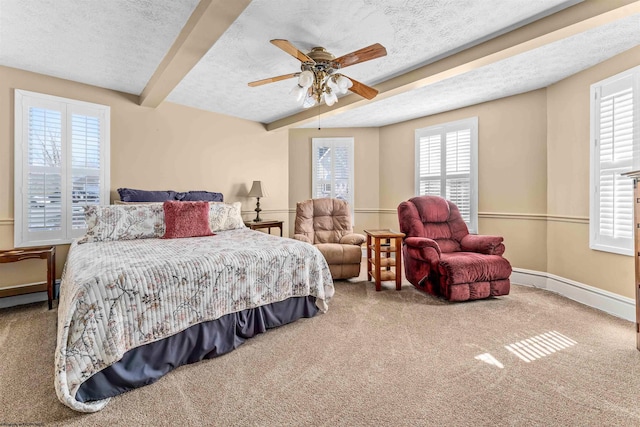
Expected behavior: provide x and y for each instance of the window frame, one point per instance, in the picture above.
(23, 100)
(620, 245)
(348, 142)
(442, 129)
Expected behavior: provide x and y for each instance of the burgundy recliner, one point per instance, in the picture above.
(443, 259)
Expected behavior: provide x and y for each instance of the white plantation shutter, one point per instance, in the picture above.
(44, 172)
(614, 140)
(458, 171)
(430, 162)
(332, 169)
(446, 165)
(85, 166)
(61, 165)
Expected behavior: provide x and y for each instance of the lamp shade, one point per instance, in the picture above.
(257, 190)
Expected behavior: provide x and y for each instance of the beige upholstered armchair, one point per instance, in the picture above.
(326, 223)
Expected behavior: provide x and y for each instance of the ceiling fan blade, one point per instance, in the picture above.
(273, 79)
(361, 55)
(362, 89)
(291, 50)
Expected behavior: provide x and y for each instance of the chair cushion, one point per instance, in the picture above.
(477, 290)
(335, 253)
(432, 209)
(344, 271)
(323, 220)
(435, 218)
(468, 267)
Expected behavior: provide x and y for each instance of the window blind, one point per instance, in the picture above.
(446, 165)
(613, 140)
(44, 185)
(430, 165)
(332, 164)
(458, 168)
(85, 166)
(61, 165)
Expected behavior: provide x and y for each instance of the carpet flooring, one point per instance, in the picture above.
(375, 358)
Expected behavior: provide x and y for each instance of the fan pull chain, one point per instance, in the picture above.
(318, 116)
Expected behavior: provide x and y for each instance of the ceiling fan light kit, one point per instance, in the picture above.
(318, 80)
(313, 87)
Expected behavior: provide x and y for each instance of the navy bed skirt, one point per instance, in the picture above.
(146, 364)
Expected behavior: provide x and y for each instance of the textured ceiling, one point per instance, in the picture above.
(528, 71)
(118, 44)
(414, 32)
(115, 44)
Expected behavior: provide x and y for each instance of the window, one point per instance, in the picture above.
(615, 141)
(447, 165)
(61, 165)
(332, 174)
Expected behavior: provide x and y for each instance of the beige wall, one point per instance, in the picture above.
(171, 147)
(568, 111)
(533, 167)
(511, 171)
(366, 176)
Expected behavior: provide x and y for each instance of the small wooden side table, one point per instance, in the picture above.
(48, 253)
(265, 224)
(382, 266)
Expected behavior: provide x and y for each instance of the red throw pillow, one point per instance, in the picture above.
(186, 219)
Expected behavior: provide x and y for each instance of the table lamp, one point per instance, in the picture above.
(257, 191)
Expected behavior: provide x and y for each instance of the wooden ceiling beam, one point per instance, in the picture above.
(209, 20)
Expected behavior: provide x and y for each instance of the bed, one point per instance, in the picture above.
(133, 305)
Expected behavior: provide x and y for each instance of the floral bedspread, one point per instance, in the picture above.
(119, 295)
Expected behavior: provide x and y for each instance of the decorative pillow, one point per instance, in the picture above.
(123, 222)
(186, 219)
(131, 195)
(225, 216)
(193, 196)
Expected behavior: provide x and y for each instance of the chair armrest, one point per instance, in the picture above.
(302, 238)
(352, 239)
(422, 242)
(488, 245)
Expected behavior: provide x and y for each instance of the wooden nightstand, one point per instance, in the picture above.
(48, 253)
(381, 266)
(265, 224)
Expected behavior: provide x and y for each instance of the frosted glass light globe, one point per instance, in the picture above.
(305, 79)
(299, 92)
(309, 101)
(330, 98)
(343, 83)
(332, 84)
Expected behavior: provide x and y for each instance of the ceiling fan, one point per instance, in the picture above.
(319, 79)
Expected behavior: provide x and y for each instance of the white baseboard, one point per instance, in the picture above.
(614, 304)
(600, 299)
(7, 302)
(29, 298)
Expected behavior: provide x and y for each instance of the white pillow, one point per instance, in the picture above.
(225, 216)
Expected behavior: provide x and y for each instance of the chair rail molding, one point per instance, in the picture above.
(535, 217)
(515, 216)
(6, 221)
(267, 211)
